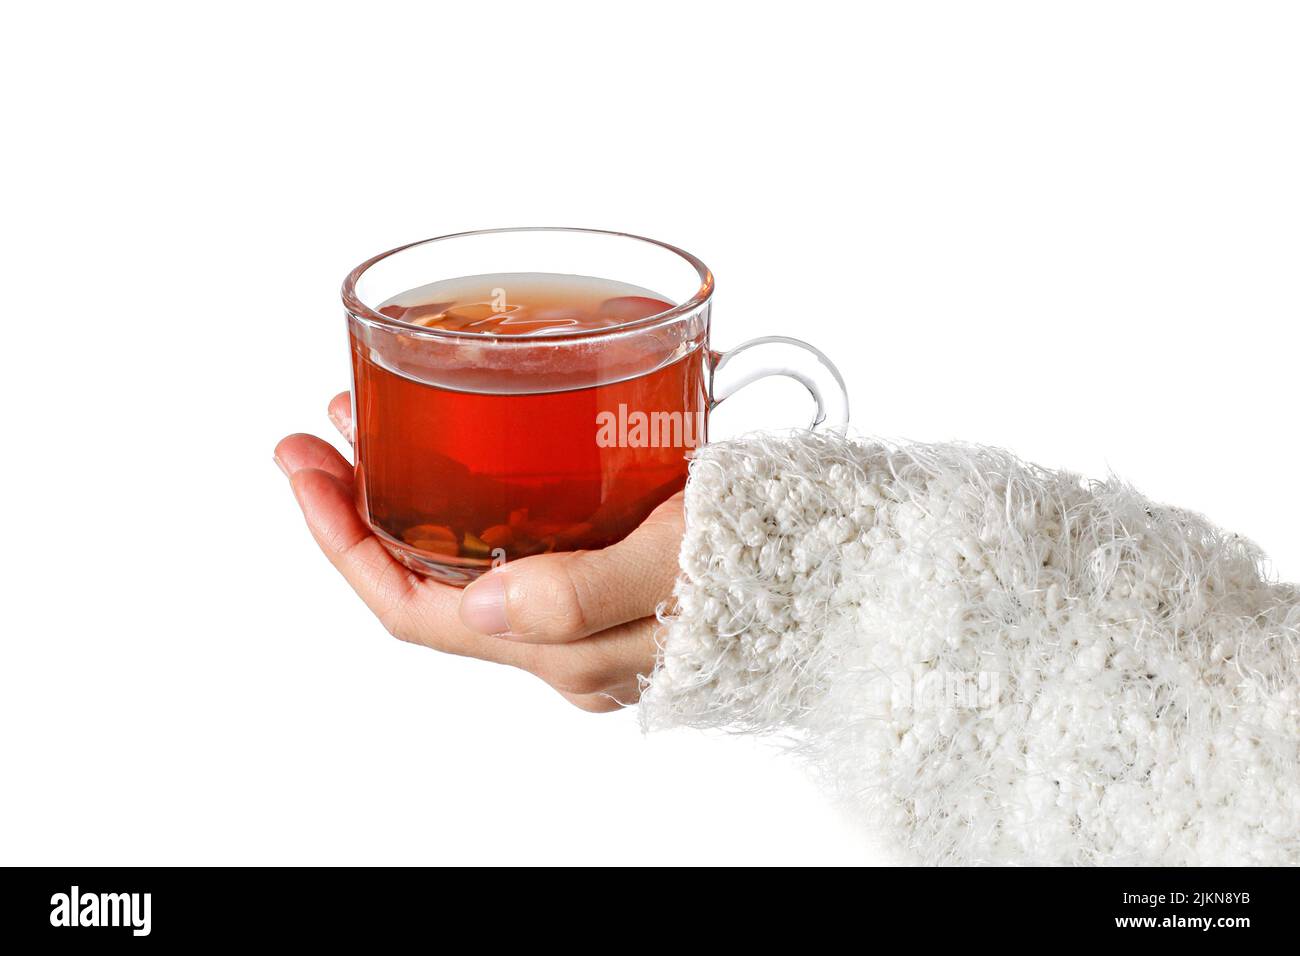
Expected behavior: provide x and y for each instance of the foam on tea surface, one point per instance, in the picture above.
(524, 303)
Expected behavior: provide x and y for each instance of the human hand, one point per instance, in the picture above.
(583, 621)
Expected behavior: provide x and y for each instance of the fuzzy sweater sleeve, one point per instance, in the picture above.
(992, 662)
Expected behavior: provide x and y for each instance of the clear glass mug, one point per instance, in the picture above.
(475, 449)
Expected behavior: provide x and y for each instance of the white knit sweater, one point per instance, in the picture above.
(996, 663)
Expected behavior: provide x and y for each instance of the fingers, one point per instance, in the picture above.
(384, 584)
(411, 608)
(299, 452)
(558, 598)
(340, 413)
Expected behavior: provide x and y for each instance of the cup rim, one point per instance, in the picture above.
(360, 310)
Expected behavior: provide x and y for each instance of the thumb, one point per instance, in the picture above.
(556, 598)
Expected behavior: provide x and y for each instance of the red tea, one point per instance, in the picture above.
(467, 462)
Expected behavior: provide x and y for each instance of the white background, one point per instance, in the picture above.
(1068, 229)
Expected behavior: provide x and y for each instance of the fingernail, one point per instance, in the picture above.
(483, 606)
(279, 464)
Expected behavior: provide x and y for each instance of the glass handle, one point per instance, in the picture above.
(780, 355)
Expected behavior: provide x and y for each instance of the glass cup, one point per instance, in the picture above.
(474, 449)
